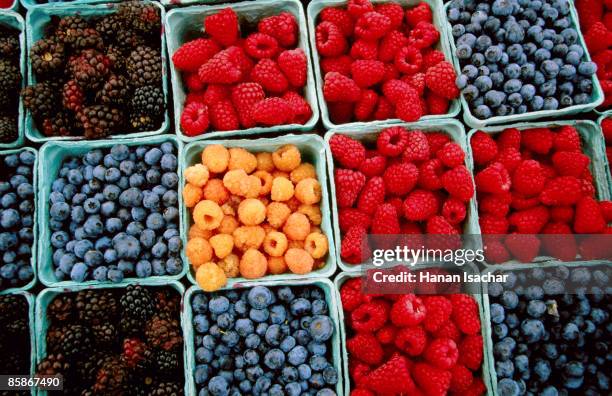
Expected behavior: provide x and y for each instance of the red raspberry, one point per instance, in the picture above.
(423, 35)
(260, 45)
(436, 141)
(606, 210)
(529, 221)
(442, 353)
(193, 54)
(441, 80)
(570, 163)
(408, 60)
(356, 8)
(493, 225)
(341, 64)
(590, 11)
(401, 178)
(597, 38)
(361, 392)
(397, 203)
(454, 211)
(341, 112)
(366, 73)
(523, 247)
(420, 13)
(374, 164)
(432, 380)
(350, 294)
(293, 64)
(493, 179)
(392, 141)
(420, 205)
(438, 225)
(458, 182)
(477, 388)
(538, 140)
(330, 40)
(300, 107)
(223, 68)
(366, 105)
(215, 93)
(394, 12)
(461, 378)
(349, 152)
(364, 49)
(588, 218)
(358, 370)
(354, 248)
(484, 148)
(73, 96)
(393, 377)
(194, 119)
(348, 217)
(448, 330)
(510, 158)
(370, 317)
(561, 191)
(436, 104)
(365, 347)
(408, 310)
(385, 220)
(272, 111)
(409, 108)
(244, 97)
(395, 90)
(510, 137)
(338, 17)
(372, 195)
(268, 74)
(606, 127)
(384, 109)
(195, 97)
(372, 26)
(451, 155)
(283, 27)
(223, 116)
(193, 82)
(223, 26)
(417, 149)
(339, 88)
(495, 204)
(495, 251)
(417, 81)
(411, 340)
(465, 314)
(387, 334)
(439, 309)
(566, 138)
(348, 185)
(528, 178)
(432, 58)
(560, 243)
(391, 44)
(562, 214)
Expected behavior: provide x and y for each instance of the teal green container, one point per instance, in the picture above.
(439, 20)
(14, 20)
(331, 298)
(475, 291)
(593, 146)
(605, 115)
(312, 149)
(183, 24)
(597, 97)
(489, 357)
(29, 4)
(34, 247)
(46, 296)
(368, 134)
(52, 154)
(37, 20)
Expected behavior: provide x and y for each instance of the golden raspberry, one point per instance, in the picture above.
(275, 244)
(251, 212)
(216, 158)
(210, 277)
(308, 191)
(197, 175)
(316, 245)
(250, 187)
(232, 180)
(228, 209)
(299, 261)
(215, 191)
(278, 173)
(287, 158)
(191, 195)
(295, 244)
(297, 227)
(264, 162)
(198, 251)
(282, 189)
(313, 212)
(277, 213)
(241, 159)
(293, 204)
(222, 244)
(230, 265)
(197, 232)
(265, 180)
(277, 265)
(248, 237)
(253, 264)
(207, 214)
(268, 228)
(304, 171)
(228, 224)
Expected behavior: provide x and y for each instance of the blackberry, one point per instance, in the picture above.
(144, 18)
(134, 352)
(99, 121)
(9, 46)
(47, 57)
(14, 363)
(141, 123)
(105, 335)
(14, 322)
(167, 301)
(88, 369)
(69, 28)
(144, 66)
(75, 341)
(115, 90)
(88, 38)
(58, 125)
(116, 54)
(72, 96)
(8, 129)
(109, 26)
(96, 306)
(112, 377)
(54, 338)
(163, 332)
(53, 364)
(89, 68)
(40, 99)
(148, 100)
(130, 326)
(166, 389)
(10, 76)
(128, 40)
(137, 302)
(61, 309)
(166, 362)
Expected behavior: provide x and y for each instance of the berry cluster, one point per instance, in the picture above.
(99, 76)
(115, 342)
(113, 213)
(264, 340)
(236, 83)
(10, 81)
(606, 129)
(16, 218)
(519, 56)
(257, 214)
(535, 181)
(551, 331)
(409, 344)
(381, 62)
(15, 335)
(408, 182)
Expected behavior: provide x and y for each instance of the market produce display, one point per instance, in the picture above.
(113, 214)
(241, 76)
(264, 340)
(10, 82)
(115, 341)
(381, 62)
(259, 215)
(15, 335)
(110, 74)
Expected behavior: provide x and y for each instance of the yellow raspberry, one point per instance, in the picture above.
(248, 237)
(313, 212)
(228, 225)
(208, 215)
(265, 180)
(198, 251)
(228, 209)
(210, 277)
(251, 212)
(295, 244)
(304, 171)
(287, 158)
(197, 175)
(241, 159)
(278, 173)
(215, 191)
(191, 195)
(264, 162)
(277, 265)
(297, 227)
(277, 213)
(197, 232)
(268, 228)
(250, 187)
(299, 261)
(316, 245)
(282, 189)
(293, 204)
(275, 244)
(308, 191)
(216, 158)
(230, 265)
(253, 264)
(222, 244)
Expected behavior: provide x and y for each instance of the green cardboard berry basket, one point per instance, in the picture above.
(331, 298)
(37, 20)
(368, 134)
(46, 296)
(33, 259)
(593, 146)
(185, 24)
(29, 4)
(439, 20)
(489, 362)
(475, 291)
(52, 154)
(597, 96)
(312, 149)
(14, 20)
(608, 175)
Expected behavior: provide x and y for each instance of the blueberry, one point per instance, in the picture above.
(300, 307)
(297, 355)
(127, 246)
(293, 389)
(553, 286)
(168, 162)
(59, 211)
(573, 58)
(218, 386)
(470, 93)
(120, 152)
(273, 335)
(504, 369)
(482, 112)
(259, 315)
(483, 83)
(274, 359)
(464, 51)
(170, 179)
(79, 272)
(502, 8)
(321, 328)
(153, 156)
(252, 341)
(537, 103)
(330, 375)
(508, 387)
(493, 54)
(587, 68)
(115, 275)
(260, 297)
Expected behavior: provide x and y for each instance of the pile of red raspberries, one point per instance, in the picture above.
(379, 62)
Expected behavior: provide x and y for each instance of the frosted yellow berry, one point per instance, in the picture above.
(248, 237)
(313, 212)
(216, 158)
(241, 159)
(197, 175)
(282, 189)
(264, 162)
(253, 264)
(222, 244)
(277, 265)
(299, 261)
(316, 244)
(232, 180)
(230, 265)
(228, 225)
(215, 191)
(265, 180)
(207, 214)
(304, 171)
(277, 213)
(198, 251)
(251, 212)
(287, 158)
(275, 244)
(297, 226)
(249, 187)
(308, 191)
(197, 232)
(210, 277)
(191, 195)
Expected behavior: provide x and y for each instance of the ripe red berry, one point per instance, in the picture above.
(194, 119)
(339, 88)
(293, 64)
(193, 54)
(329, 39)
(223, 26)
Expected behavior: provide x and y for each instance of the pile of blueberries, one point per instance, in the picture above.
(264, 340)
(519, 56)
(16, 218)
(551, 331)
(113, 213)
